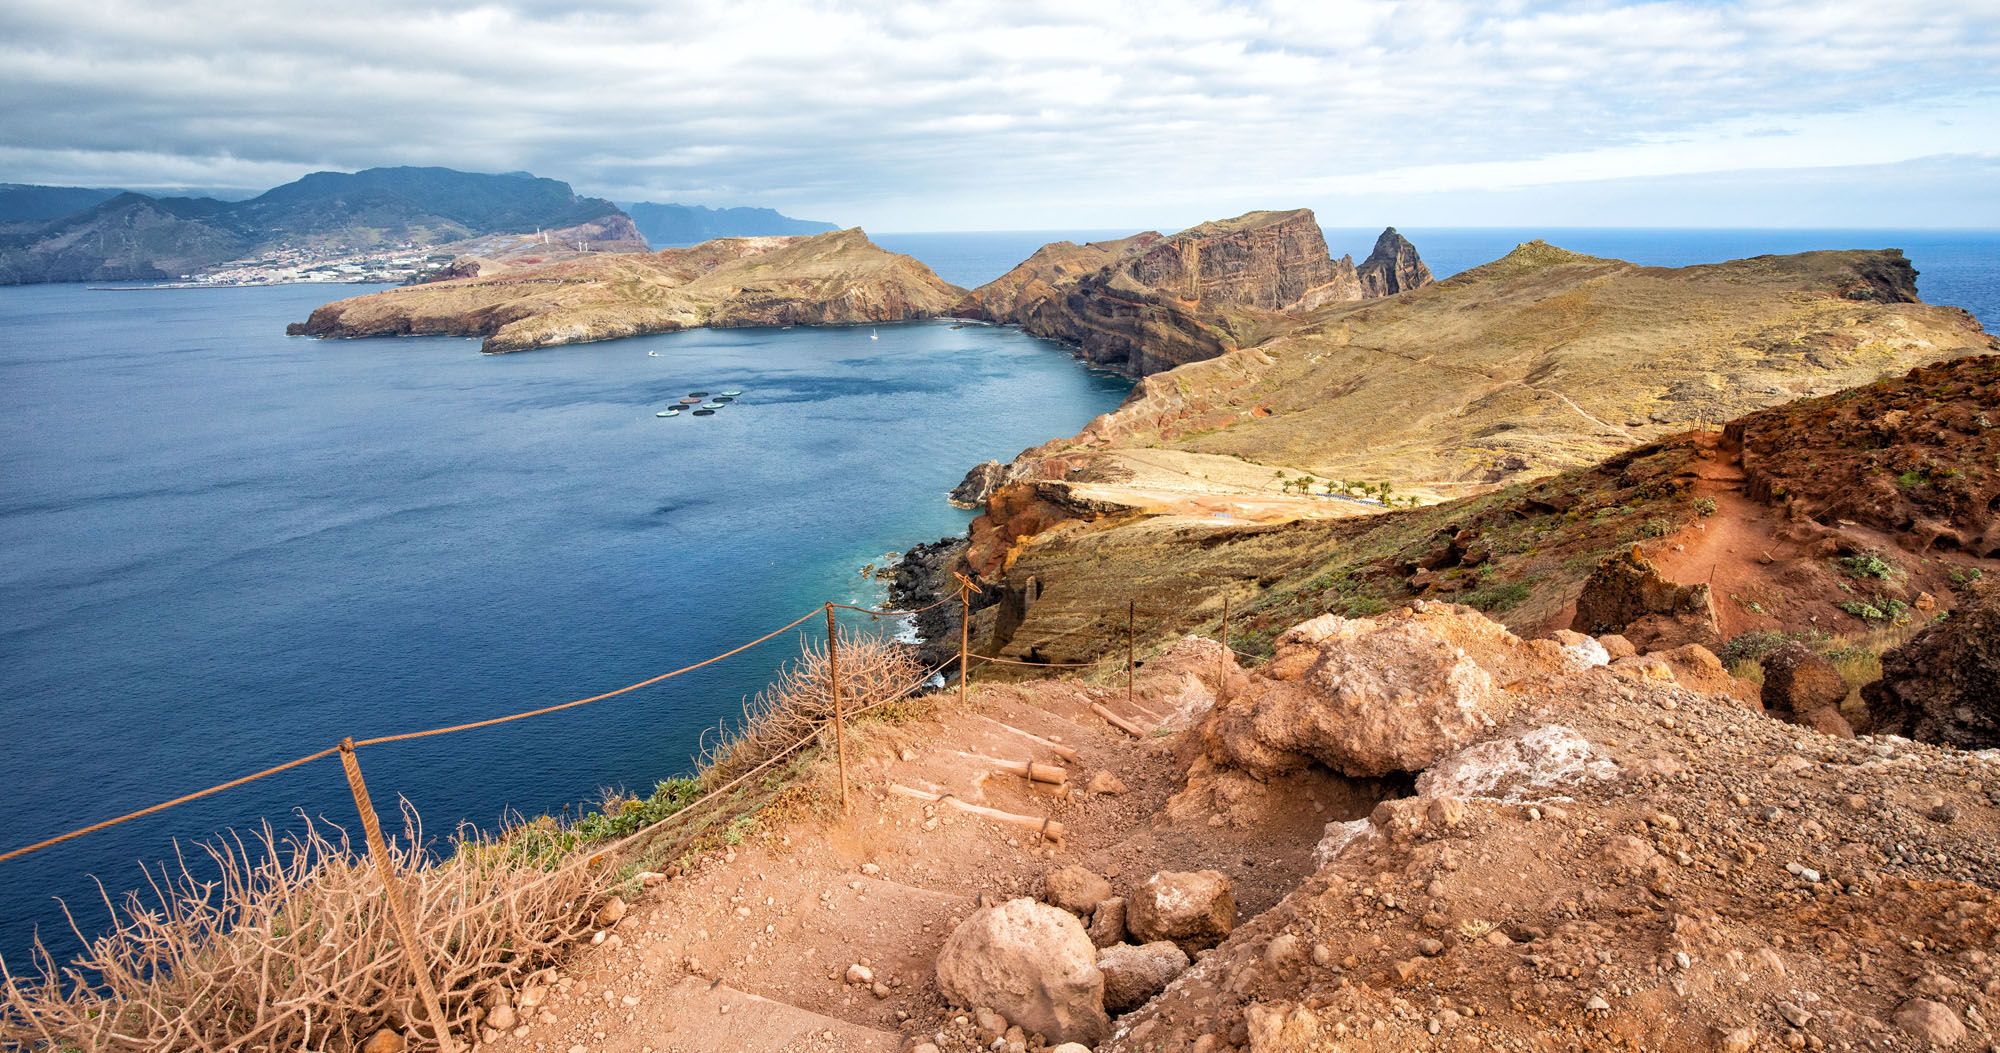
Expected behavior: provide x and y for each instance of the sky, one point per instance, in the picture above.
(1034, 115)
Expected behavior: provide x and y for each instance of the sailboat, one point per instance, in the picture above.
(652, 354)
(873, 335)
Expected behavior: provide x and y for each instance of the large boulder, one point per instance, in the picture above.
(1194, 909)
(1801, 686)
(1031, 963)
(1374, 696)
(1629, 596)
(1944, 685)
(1133, 975)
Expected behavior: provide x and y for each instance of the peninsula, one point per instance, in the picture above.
(838, 278)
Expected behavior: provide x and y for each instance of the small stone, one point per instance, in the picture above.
(1107, 923)
(1103, 782)
(1597, 1004)
(870, 869)
(1794, 1015)
(1740, 1040)
(880, 990)
(860, 974)
(1431, 948)
(610, 913)
(384, 1041)
(1133, 975)
(501, 1017)
(1075, 889)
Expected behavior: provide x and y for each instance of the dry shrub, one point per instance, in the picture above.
(797, 705)
(285, 943)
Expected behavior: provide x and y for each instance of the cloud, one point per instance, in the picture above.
(990, 114)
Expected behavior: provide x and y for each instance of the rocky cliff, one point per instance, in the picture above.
(840, 278)
(1542, 361)
(1151, 302)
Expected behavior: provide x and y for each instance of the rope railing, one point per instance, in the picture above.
(406, 923)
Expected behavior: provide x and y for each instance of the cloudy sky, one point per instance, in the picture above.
(1041, 115)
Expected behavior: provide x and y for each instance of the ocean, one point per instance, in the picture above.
(227, 547)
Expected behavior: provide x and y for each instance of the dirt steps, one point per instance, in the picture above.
(697, 1016)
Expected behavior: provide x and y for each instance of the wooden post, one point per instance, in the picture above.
(392, 891)
(1222, 663)
(833, 687)
(964, 637)
(1131, 612)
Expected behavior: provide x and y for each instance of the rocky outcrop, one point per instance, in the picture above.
(1393, 267)
(1627, 595)
(840, 278)
(1373, 696)
(1801, 686)
(1031, 963)
(1151, 302)
(978, 484)
(1944, 685)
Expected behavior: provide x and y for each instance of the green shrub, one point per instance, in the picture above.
(1656, 527)
(1867, 565)
(1704, 506)
(1500, 597)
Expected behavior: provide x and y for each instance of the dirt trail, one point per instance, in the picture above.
(751, 949)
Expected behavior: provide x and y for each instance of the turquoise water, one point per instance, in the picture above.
(227, 548)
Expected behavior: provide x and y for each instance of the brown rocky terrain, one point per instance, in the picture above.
(1413, 831)
(1541, 362)
(1150, 302)
(839, 278)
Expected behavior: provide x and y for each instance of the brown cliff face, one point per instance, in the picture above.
(839, 278)
(1151, 302)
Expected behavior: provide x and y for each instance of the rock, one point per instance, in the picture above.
(385, 1041)
(1372, 696)
(1931, 1021)
(1069, 1047)
(978, 484)
(1943, 686)
(1617, 646)
(860, 974)
(502, 1016)
(1698, 669)
(1283, 952)
(1031, 962)
(924, 1047)
(1798, 680)
(1193, 909)
(1580, 650)
(609, 914)
(1627, 595)
(1103, 782)
(1133, 975)
(1075, 889)
(1736, 1040)
(1107, 922)
(1147, 303)
(1827, 720)
(1392, 267)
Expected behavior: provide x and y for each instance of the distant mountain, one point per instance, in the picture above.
(27, 203)
(133, 236)
(672, 226)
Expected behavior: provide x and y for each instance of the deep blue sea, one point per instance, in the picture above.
(226, 547)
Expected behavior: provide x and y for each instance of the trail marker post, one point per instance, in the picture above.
(392, 891)
(833, 688)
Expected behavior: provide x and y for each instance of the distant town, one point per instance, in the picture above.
(338, 264)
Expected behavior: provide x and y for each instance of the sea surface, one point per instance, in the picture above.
(226, 548)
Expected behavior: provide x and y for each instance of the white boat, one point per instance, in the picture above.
(668, 413)
(652, 354)
(873, 335)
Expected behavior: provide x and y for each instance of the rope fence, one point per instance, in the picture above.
(407, 932)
